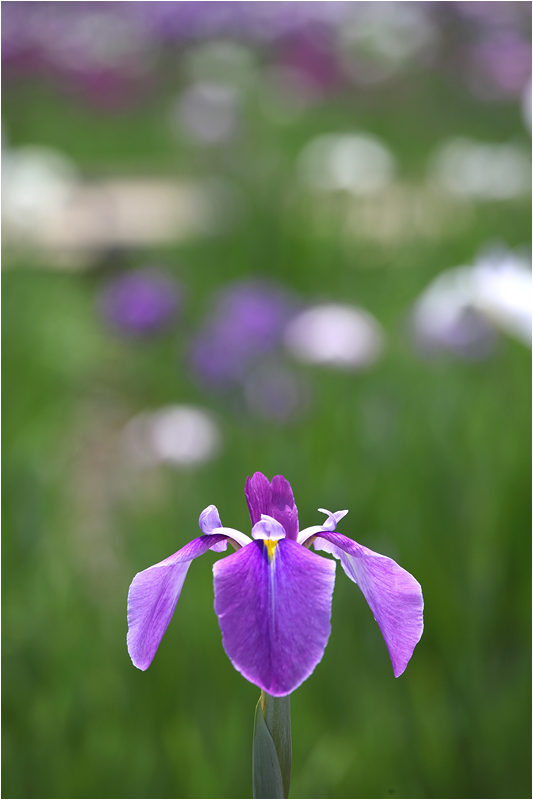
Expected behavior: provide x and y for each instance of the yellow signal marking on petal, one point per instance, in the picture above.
(271, 546)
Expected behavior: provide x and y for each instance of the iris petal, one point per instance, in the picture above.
(274, 608)
(153, 596)
(329, 525)
(268, 528)
(394, 596)
(241, 539)
(210, 521)
(274, 499)
(333, 519)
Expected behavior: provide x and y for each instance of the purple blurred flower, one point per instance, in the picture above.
(121, 30)
(275, 392)
(247, 322)
(311, 53)
(99, 50)
(141, 302)
(492, 14)
(273, 596)
(501, 63)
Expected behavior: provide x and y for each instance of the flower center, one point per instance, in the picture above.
(271, 546)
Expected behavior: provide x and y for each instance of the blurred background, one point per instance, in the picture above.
(274, 236)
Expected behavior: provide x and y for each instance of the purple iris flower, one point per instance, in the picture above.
(140, 303)
(245, 324)
(273, 596)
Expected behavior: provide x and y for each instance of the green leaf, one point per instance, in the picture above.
(272, 748)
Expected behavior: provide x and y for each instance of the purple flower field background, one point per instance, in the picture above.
(288, 238)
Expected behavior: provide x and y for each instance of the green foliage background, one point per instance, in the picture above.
(432, 459)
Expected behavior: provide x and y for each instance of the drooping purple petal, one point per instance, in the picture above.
(152, 598)
(274, 612)
(274, 499)
(394, 596)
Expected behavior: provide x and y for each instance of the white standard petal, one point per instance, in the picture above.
(268, 528)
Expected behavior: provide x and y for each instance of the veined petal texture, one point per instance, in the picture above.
(275, 499)
(153, 596)
(394, 596)
(274, 611)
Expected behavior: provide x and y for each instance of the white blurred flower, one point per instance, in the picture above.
(380, 38)
(357, 163)
(338, 335)
(484, 171)
(179, 435)
(209, 112)
(37, 183)
(444, 317)
(461, 307)
(503, 292)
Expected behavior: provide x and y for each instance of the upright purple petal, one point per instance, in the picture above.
(283, 507)
(274, 499)
(273, 603)
(258, 493)
(394, 596)
(153, 596)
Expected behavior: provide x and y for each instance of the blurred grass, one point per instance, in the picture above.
(433, 460)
